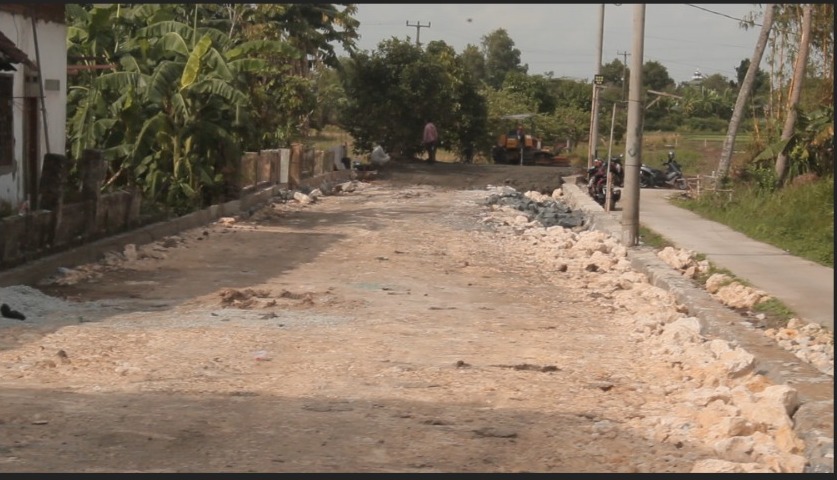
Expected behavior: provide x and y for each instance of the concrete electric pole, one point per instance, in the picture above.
(633, 145)
(418, 26)
(594, 114)
(625, 56)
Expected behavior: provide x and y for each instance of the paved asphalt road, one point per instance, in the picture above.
(805, 287)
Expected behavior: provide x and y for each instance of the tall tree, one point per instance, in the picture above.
(571, 93)
(614, 72)
(717, 82)
(392, 91)
(535, 87)
(743, 94)
(796, 89)
(312, 29)
(501, 57)
(473, 61)
(785, 48)
(656, 77)
(741, 72)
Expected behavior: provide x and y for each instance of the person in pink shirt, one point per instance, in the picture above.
(430, 140)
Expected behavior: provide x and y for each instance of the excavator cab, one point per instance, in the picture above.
(508, 150)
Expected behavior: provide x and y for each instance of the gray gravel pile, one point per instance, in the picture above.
(548, 211)
(37, 306)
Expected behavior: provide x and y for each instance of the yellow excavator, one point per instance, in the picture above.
(508, 150)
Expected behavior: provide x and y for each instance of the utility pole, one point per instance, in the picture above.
(418, 26)
(40, 86)
(633, 145)
(594, 115)
(609, 184)
(625, 56)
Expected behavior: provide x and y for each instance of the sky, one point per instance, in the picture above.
(564, 38)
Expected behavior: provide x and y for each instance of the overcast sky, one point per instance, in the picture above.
(563, 38)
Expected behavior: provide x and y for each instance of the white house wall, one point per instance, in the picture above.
(52, 42)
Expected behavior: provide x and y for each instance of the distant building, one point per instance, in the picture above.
(22, 136)
(697, 77)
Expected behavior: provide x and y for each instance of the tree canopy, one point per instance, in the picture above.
(501, 57)
(196, 85)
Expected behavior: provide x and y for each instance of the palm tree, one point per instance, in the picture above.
(796, 91)
(743, 95)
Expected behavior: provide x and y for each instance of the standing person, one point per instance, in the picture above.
(429, 140)
(521, 141)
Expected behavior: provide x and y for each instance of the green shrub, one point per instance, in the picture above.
(708, 124)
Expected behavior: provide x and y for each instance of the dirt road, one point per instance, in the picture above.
(401, 327)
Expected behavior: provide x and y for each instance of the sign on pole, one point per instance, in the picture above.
(598, 79)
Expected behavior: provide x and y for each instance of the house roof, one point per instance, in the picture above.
(48, 12)
(9, 54)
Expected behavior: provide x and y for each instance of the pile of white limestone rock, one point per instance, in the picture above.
(744, 417)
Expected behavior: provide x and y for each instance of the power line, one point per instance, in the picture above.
(721, 14)
(741, 20)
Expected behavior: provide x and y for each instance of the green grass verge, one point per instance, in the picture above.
(653, 239)
(797, 219)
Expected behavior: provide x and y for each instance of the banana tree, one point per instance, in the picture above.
(195, 113)
(810, 149)
(172, 116)
(178, 107)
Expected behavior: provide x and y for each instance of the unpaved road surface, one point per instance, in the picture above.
(396, 328)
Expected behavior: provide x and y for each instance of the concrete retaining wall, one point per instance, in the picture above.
(39, 268)
(32, 235)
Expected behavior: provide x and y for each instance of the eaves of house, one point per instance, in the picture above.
(48, 12)
(10, 54)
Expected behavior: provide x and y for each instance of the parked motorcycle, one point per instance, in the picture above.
(650, 177)
(597, 185)
(617, 171)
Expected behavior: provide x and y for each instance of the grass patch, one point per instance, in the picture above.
(796, 219)
(775, 312)
(653, 239)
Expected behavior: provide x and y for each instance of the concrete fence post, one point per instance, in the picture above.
(92, 174)
(264, 167)
(51, 191)
(284, 164)
(295, 166)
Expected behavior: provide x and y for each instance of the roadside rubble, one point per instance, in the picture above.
(810, 342)
(746, 420)
(718, 400)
